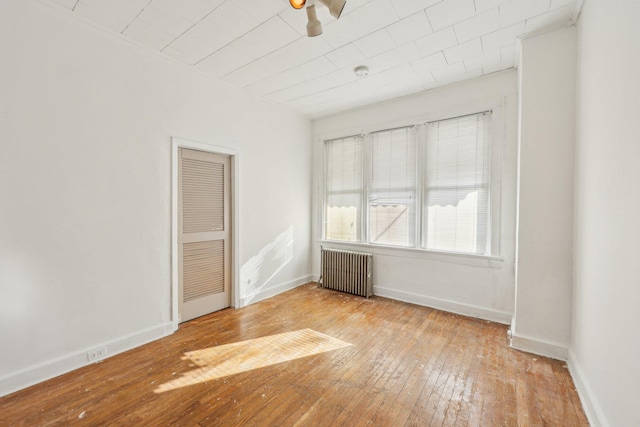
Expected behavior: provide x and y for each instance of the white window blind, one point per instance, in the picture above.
(392, 188)
(456, 185)
(343, 188)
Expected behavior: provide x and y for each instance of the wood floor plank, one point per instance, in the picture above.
(404, 365)
(405, 390)
(427, 402)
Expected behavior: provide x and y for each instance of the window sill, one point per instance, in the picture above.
(421, 254)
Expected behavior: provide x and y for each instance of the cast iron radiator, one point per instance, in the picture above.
(346, 271)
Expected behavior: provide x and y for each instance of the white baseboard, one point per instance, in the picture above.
(592, 409)
(45, 371)
(445, 305)
(537, 346)
(272, 291)
(42, 372)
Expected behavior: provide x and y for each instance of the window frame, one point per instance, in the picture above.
(368, 158)
(325, 167)
(424, 188)
(496, 109)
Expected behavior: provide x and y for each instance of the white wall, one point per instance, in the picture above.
(85, 189)
(605, 350)
(542, 318)
(474, 286)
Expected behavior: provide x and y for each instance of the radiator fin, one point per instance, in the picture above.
(346, 271)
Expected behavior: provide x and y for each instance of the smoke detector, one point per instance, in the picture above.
(361, 71)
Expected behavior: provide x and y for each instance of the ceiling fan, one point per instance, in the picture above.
(314, 27)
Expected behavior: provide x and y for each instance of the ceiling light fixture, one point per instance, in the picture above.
(297, 4)
(335, 6)
(314, 27)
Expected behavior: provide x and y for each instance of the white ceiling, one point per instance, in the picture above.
(261, 45)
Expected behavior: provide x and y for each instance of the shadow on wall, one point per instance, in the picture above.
(257, 273)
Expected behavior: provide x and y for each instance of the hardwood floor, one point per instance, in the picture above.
(377, 362)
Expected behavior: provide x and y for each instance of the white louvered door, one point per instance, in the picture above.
(203, 239)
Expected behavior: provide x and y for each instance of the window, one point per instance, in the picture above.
(392, 187)
(425, 186)
(343, 189)
(456, 186)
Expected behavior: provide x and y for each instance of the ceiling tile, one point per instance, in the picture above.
(410, 28)
(262, 10)
(503, 37)
(220, 27)
(297, 19)
(555, 4)
(377, 82)
(373, 16)
(295, 54)
(404, 75)
(344, 76)
(253, 72)
(439, 40)
(148, 35)
(67, 4)
(550, 19)
(348, 98)
(478, 25)
(375, 43)
(463, 76)
(299, 52)
(449, 12)
(424, 66)
(303, 89)
(405, 8)
(340, 32)
(449, 71)
(115, 15)
(393, 88)
(224, 61)
(394, 58)
(313, 69)
(463, 51)
(265, 38)
(484, 5)
(486, 60)
(123, 6)
(352, 5)
(356, 93)
(346, 55)
(519, 10)
(317, 99)
(192, 10)
(177, 54)
(165, 19)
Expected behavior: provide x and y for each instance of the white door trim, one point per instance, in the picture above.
(176, 144)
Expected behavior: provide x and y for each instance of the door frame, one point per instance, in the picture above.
(176, 145)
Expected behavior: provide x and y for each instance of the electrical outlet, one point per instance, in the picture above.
(97, 354)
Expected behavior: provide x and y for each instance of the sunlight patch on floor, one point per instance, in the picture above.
(230, 359)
